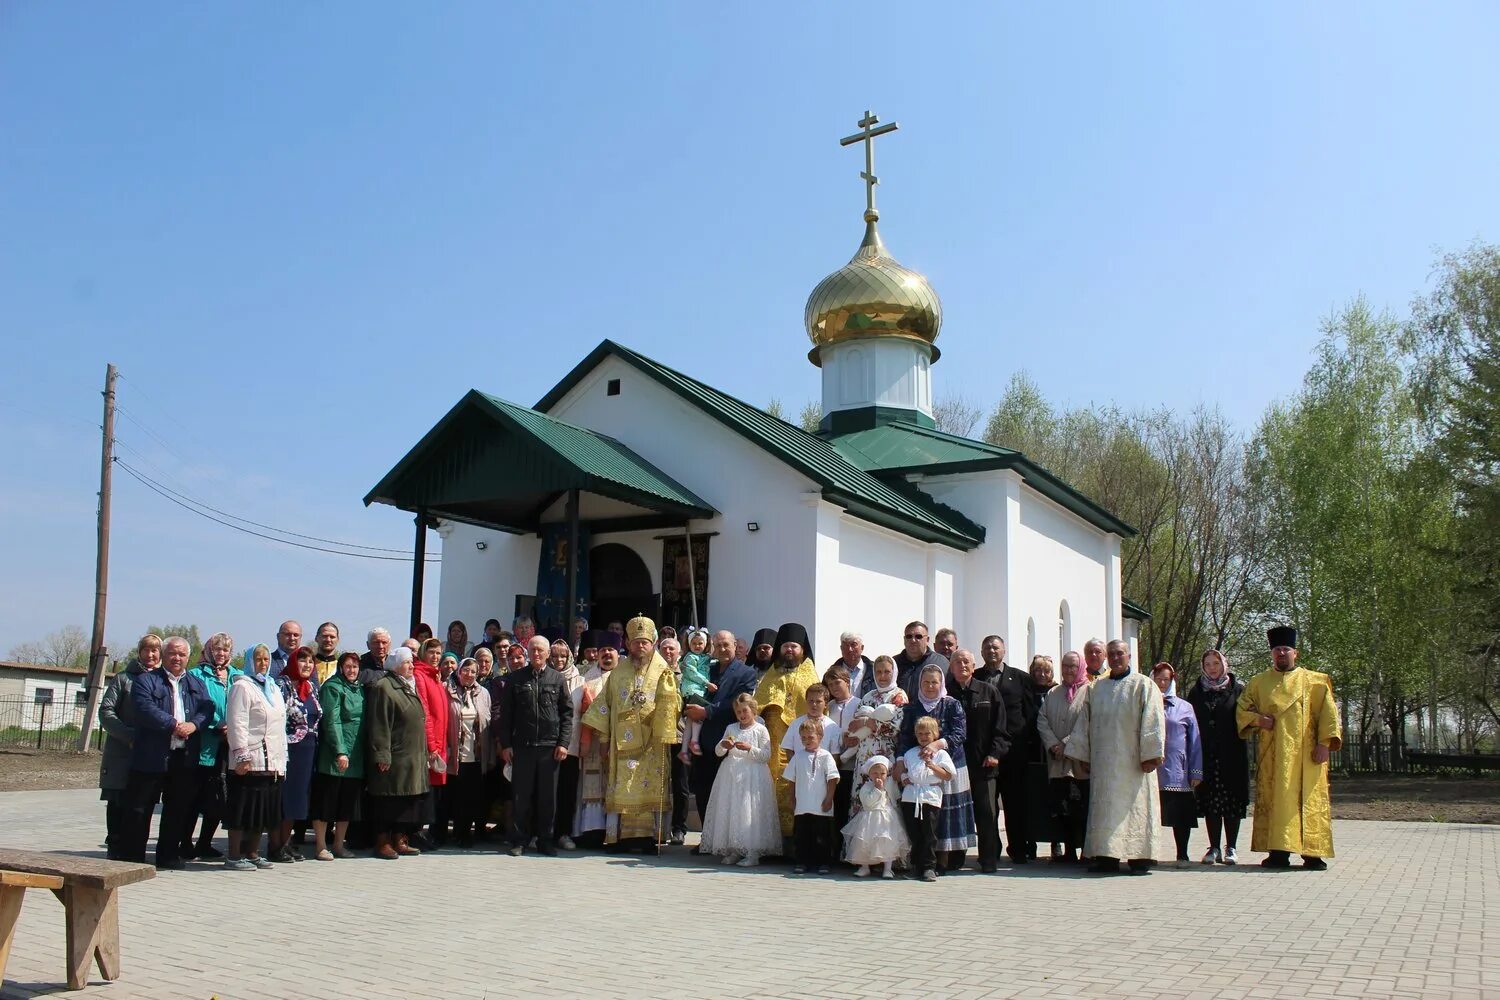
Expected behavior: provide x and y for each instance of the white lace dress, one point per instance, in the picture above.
(742, 816)
(876, 835)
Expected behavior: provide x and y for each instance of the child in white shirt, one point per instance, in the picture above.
(817, 710)
(814, 776)
(922, 773)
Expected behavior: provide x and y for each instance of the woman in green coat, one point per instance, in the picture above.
(339, 782)
(397, 731)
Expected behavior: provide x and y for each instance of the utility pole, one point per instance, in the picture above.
(97, 651)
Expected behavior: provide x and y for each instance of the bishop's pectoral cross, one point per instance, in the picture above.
(867, 136)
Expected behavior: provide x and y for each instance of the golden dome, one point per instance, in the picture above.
(872, 296)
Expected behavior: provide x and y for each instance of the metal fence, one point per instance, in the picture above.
(33, 725)
(1379, 754)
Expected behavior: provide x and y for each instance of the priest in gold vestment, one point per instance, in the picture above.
(1293, 713)
(635, 718)
(782, 696)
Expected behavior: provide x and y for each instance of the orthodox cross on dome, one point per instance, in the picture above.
(867, 136)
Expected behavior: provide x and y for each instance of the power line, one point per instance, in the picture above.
(163, 492)
(268, 527)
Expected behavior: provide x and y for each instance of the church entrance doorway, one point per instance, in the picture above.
(619, 584)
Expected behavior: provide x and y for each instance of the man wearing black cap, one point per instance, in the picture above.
(1292, 712)
(762, 652)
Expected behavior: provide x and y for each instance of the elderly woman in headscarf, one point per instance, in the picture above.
(255, 729)
(1068, 801)
(567, 770)
(304, 714)
(955, 829)
(1225, 791)
(397, 728)
(339, 783)
(471, 748)
(1181, 769)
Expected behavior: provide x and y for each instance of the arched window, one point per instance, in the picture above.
(1030, 640)
(1064, 630)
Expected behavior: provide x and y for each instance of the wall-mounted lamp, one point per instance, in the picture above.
(752, 526)
(481, 546)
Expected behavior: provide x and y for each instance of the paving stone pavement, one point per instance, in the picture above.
(1405, 910)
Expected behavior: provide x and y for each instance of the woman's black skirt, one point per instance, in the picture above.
(1179, 809)
(468, 798)
(335, 799)
(254, 802)
(396, 812)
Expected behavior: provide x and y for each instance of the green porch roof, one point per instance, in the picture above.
(500, 465)
(895, 450)
(890, 503)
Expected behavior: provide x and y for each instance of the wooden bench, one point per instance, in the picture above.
(87, 888)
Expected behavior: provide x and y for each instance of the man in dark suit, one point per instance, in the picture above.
(1020, 728)
(986, 744)
(728, 678)
(171, 706)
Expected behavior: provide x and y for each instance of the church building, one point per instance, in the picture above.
(632, 487)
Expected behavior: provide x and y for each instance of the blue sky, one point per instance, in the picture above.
(302, 231)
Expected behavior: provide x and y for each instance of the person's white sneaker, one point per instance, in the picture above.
(1212, 856)
(749, 861)
(566, 843)
(1231, 858)
(861, 871)
(729, 859)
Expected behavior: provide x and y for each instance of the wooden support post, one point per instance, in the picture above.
(93, 917)
(10, 912)
(418, 565)
(572, 615)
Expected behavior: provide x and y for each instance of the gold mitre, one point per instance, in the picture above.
(640, 627)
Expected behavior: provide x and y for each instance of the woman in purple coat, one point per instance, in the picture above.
(1181, 767)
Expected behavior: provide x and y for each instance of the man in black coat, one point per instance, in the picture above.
(985, 746)
(1020, 728)
(534, 731)
(916, 653)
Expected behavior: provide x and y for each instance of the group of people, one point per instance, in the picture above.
(903, 762)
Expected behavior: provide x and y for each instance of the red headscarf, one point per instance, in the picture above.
(302, 686)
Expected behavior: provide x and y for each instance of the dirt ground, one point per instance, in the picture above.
(1414, 798)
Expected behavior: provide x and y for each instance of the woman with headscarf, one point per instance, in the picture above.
(340, 780)
(1225, 791)
(255, 729)
(1068, 800)
(1181, 769)
(304, 713)
(877, 723)
(397, 732)
(458, 641)
(955, 828)
(567, 770)
(472, 751)
(589, 818)
(447, 664)
(434, 695)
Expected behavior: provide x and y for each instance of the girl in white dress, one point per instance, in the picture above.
(876, 835)
(742, 821)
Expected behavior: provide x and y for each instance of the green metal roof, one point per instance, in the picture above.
(498, 464)
(893, 504)
(901, 448)
(1130, 609)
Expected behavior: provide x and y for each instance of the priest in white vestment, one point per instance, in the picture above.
(1119, 736)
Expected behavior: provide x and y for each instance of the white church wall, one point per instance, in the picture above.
(873, 582)
(478, 585)
(756, 578)
(980, 604)
(1060, 560)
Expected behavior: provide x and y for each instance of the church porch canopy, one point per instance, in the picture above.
(495, 464)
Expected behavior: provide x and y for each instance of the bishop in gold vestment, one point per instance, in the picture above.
(635, 717)
(1293, 713)
(782, 696)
